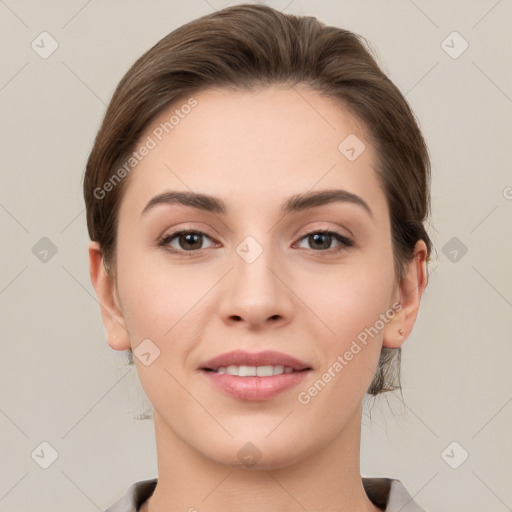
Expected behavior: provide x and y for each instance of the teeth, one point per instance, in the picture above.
(255, 371)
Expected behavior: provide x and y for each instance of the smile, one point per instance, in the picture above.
(252, 386)
(255, 371)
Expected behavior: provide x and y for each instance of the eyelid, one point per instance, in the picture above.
(164, 240)
(319, 227)
(344, 242)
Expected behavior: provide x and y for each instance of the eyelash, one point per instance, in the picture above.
(344, 241)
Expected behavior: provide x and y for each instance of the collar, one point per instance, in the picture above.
(386, 493)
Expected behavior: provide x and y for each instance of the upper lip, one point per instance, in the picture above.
(243, 358)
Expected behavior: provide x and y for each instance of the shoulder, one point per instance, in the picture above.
(390, 495)
(135, 495)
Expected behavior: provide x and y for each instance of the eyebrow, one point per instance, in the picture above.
(296, 203)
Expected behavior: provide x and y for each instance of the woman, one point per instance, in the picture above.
(256, 198)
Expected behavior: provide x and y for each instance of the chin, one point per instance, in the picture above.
(256, 453)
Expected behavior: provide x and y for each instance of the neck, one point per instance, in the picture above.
(325, 480)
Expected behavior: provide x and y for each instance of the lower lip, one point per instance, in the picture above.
(255, 388)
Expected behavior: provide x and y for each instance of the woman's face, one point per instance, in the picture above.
(250, 278)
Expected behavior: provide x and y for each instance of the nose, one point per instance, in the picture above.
(256, 292)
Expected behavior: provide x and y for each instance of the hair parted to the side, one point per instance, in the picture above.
(251, 46)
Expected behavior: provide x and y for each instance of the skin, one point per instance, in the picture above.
(255, 150)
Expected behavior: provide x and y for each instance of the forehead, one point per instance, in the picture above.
(245, 145)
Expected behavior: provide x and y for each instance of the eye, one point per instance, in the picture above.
(190, 241)
(323, 239)
(187, 239)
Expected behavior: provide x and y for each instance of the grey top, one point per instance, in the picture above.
(386, 493)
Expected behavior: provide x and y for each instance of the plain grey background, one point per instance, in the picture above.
(62, 385)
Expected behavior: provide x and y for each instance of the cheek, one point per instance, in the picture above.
(158, 296)
(351, 340)
(350, 303)
(347, 299)
(163, 304)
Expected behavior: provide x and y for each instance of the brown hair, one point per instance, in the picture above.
(248, 46)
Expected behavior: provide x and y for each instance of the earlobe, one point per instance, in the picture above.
(111, 313)
(409, 294)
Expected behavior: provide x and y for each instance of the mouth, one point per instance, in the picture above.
(255, 371)
(254, 376)
(252, 364)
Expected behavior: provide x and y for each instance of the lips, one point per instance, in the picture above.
(265, 358)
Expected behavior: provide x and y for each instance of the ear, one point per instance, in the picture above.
(111, 312)
(408, 294)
